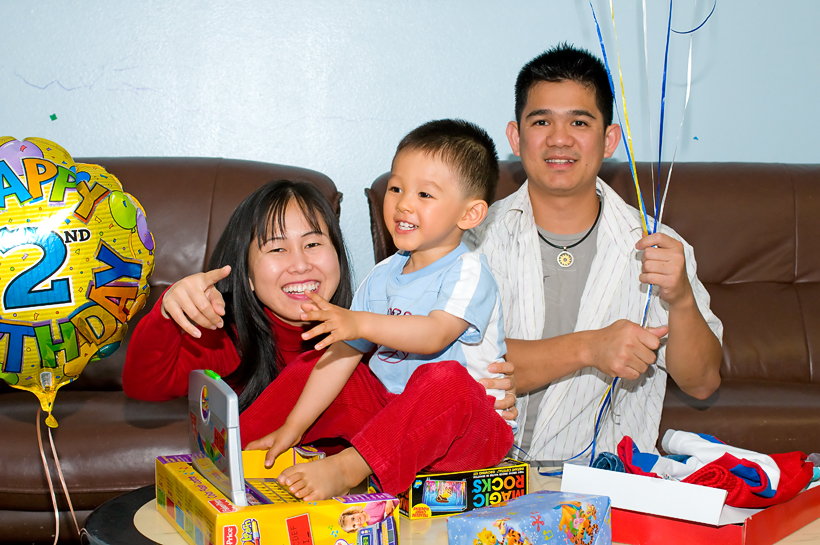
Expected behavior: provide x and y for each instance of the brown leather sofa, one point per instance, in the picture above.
(107, 442)
(756, 233)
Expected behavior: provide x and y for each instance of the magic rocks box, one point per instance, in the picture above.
(445, 494)
(536, 519)
(205, 516)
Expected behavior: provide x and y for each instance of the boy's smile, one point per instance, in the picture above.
(423, 207)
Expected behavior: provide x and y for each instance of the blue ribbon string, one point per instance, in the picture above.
(663, 108)
(700, 25)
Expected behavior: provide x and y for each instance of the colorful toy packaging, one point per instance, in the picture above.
(553, 518)
(203, 515)
(444, 494)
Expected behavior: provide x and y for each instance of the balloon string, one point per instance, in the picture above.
(663, 110)
(48, 478)
(630, 154)
(62, 480)
(700, 25)
(655, 197)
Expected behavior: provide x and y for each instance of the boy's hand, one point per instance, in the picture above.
(340, 324)
(276, 442)
(195, 300)
(664, 266)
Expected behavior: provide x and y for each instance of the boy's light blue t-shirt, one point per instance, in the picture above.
(460, 284)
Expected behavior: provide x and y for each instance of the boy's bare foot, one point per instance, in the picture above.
(328, 477)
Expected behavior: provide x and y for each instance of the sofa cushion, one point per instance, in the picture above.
(106, 442)
(762, 416)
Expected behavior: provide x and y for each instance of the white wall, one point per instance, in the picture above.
(333, 85)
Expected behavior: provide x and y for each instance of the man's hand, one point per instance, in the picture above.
(664, 266)
(340, 323)
(277, 442)
(195, 300)
(507, 405)
(624, 349)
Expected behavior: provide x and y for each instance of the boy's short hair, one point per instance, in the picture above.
(464, 147)
(565, 62)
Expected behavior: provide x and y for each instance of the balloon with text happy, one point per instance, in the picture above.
(75, 256)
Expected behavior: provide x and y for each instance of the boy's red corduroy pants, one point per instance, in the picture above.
(443, 421)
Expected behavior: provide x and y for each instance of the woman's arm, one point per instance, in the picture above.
(161, 356)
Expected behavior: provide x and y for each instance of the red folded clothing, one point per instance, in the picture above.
(795, 475)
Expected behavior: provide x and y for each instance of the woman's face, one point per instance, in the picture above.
(291, 263)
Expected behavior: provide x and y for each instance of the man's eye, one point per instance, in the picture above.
(540, 122)
(579, 123)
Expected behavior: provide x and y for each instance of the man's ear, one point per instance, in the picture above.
(474, 215)
(612, 137)
(512, 137)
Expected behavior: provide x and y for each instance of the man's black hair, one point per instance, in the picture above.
(565, 62)
(464, 147)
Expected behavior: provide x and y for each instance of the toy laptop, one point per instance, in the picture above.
(220, 495)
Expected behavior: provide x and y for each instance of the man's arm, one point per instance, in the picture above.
(623, 349)
(693, 352)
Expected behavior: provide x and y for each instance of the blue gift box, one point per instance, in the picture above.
(536, 519)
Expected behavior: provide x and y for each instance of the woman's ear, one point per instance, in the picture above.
(475, 214)
(250, 280)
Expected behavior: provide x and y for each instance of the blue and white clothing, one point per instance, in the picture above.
(613, 291)
(460, 284)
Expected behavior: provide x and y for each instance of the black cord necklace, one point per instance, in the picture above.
(565, 258)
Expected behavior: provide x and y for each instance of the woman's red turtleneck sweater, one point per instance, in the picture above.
(161, 355)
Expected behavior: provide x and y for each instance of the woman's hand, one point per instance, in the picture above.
(340, 324)
(277, 442)
(507, 405)
(195, 300)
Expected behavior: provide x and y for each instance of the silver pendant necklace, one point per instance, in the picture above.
(565, 258)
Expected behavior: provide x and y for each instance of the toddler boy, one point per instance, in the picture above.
(433, 305)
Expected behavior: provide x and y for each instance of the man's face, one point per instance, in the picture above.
(561, 138)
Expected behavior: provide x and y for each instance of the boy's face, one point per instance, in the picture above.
(561, 138)
(424, 206)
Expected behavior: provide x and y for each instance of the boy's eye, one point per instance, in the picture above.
(394, 189)
(425, 195)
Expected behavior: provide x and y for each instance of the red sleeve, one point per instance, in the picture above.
(161, 356)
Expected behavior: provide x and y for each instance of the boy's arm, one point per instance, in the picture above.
(416, 334)
(327, 379)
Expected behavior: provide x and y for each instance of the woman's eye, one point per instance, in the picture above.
(312, 245)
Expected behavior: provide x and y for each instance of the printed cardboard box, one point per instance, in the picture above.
(203, 515)
(648, 511)
(540, 518)
(444, 494)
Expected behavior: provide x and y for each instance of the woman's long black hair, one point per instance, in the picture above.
(249, 328)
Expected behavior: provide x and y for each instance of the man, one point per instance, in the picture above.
(573, 268)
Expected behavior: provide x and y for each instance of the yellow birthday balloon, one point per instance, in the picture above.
(74, 265)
